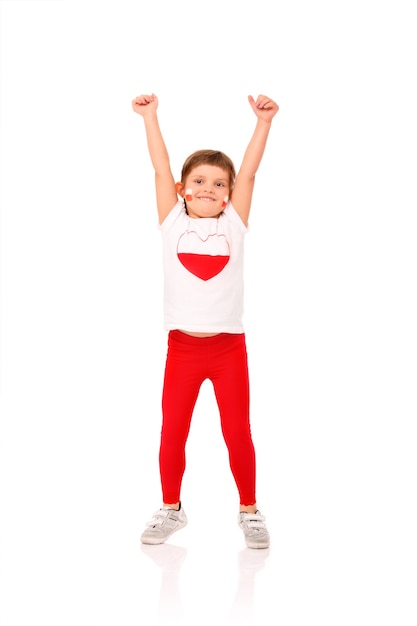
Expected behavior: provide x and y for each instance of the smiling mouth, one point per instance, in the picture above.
(206, 199)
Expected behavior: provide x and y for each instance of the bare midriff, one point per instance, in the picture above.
(198, 334)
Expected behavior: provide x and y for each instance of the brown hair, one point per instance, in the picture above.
(209, 157)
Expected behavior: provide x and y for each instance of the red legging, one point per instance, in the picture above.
(190, 360)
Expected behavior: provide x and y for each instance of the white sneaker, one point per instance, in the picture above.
(163, 524)
(254, 529)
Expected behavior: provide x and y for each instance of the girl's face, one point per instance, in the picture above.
(204, 191)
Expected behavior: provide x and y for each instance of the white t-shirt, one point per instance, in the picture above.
(203, 271)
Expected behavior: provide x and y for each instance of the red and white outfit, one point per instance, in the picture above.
(203, 292)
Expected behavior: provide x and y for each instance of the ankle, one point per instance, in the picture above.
(250, 508)
(176, 506)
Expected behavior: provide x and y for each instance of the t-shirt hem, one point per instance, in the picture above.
(233, 330)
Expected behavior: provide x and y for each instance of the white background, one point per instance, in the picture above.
(330, 310)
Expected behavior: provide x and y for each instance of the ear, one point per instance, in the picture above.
(179, 187)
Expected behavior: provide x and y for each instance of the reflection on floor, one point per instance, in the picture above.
(170, 558)
(249, 562)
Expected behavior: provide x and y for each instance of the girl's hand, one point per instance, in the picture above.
(145, 104)
(264, 108)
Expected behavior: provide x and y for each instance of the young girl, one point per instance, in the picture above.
(202, 235)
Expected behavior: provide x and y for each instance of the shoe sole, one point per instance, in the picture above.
(260, 546)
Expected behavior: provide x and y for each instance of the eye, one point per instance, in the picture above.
(220, 184)
(198, 181)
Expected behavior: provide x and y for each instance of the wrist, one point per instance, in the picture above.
(263, 122)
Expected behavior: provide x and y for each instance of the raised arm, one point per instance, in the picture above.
(265, 109)
(166, 195)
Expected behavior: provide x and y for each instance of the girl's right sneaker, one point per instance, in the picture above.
(163, 524)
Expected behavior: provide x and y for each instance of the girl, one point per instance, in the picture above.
(203, 220)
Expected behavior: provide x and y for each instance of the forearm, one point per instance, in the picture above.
(156, 145)
(255, 150)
